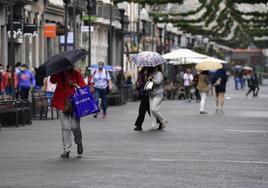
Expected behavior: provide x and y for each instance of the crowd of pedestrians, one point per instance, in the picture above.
(59, 87)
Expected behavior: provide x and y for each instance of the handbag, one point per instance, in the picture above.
(149, 86)
(83, 102)
(68, 107)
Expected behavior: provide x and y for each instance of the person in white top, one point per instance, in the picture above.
(101, 81)
(49, 88)
(188, 79)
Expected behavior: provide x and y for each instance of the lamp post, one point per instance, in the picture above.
(144, 16)
(66, 2)
(74, 24)
(122, 8)
(110, 57)
(161, 27)
(12, 50)
(89, 32)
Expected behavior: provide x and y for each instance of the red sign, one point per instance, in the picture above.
(50, 30)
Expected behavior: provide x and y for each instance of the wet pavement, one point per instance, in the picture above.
(221, 149)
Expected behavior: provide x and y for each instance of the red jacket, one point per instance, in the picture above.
(60, 94)
(6, 77)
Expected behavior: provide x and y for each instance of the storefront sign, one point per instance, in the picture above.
(50, 30)
(70, 39)
(30, 30)
(131, 43)
(85, 29)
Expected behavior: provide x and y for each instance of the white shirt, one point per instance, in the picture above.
(50, 87)
(100, 79)
(188, 78)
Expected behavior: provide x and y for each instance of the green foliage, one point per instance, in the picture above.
(151, 2)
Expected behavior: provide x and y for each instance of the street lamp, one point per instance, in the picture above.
(89, 6)
(12, 49)
(170, 29)
(122, 8)
(161, 27)
(66, 2)
(144, 16)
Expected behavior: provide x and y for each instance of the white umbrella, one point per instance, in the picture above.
(202, 60)
(181, 55)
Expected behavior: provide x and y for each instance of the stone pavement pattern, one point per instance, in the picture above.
(222, 150)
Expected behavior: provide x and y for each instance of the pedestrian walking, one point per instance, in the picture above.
(188, 79)
(257, 88)
(66, 82)
(102, 83)
(26, 82)
(49, 88)
(17, 71)
(203, 86)
(156, 97)
(252, 82)
(219, 82)
(195, 83)
(8, 83)
(144, 99)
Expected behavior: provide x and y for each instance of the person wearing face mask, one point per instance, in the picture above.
(7, 81)
(101, 83)
(26, 82)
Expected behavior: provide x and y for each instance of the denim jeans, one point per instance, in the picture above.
(101, 93)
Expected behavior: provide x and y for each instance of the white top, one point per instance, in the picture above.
(50, 87)
(100, 79)
(188, 78)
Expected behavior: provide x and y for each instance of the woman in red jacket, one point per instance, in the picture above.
(66, 82)
(7, 81)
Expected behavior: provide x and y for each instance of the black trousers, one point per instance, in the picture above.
(144, 107)
(24, 93)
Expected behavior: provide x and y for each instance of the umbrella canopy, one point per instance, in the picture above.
(248, 68)
(209, 65)
(181, 56)
(105, 67)
(61, 62)
(182, 53)
(203, 60)
(148, 59)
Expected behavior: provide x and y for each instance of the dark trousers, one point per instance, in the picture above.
(251, 89)
(144, 107)
(24, 93)
(197, 95)
(188, 92)
(256, 92)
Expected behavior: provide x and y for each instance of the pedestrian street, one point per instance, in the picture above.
(220, 149)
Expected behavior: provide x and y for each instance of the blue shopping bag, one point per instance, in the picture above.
(83, 102)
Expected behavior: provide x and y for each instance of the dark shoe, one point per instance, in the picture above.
(203, 112)
(79, 149)
(65, 155)
(95, 115)
(160, 126)
(137, 129)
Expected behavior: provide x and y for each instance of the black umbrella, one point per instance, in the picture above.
(61, 62)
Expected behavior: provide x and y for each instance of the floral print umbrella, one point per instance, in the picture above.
(148, 59)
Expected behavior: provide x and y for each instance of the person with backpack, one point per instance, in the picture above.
(101, 84)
